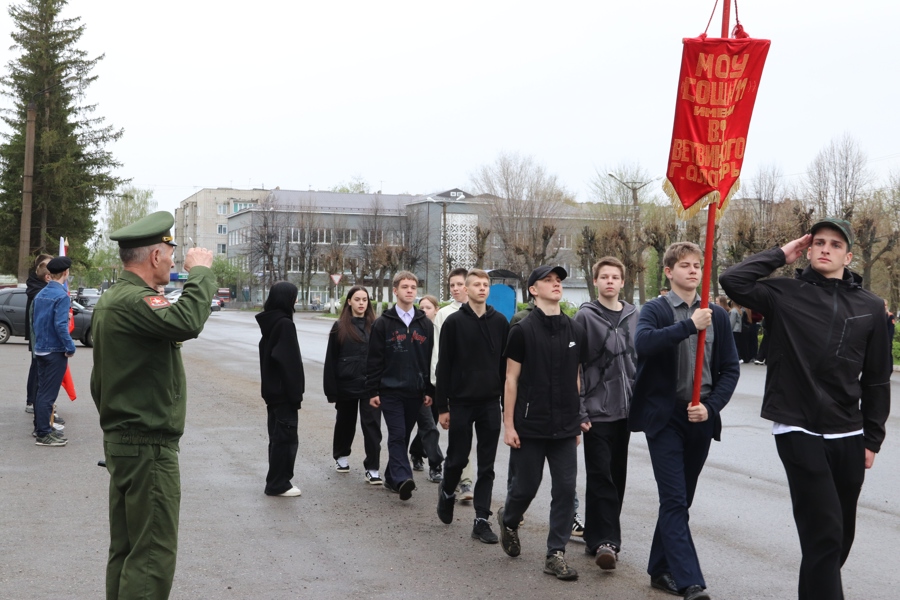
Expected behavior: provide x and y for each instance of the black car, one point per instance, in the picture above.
(12, 317)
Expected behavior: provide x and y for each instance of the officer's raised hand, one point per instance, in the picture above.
(198, 257)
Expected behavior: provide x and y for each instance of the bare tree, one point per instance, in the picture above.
(304, 250)
(268, 246)
(837, 177)
(525, 204)
(480, 245)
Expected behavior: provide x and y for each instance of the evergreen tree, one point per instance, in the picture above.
(72, 167)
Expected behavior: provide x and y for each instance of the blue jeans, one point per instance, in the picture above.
(51, 370)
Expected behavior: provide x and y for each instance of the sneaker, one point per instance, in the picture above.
(58, 419)
(509, 538)
(464, 492)
(606, 557)
(51, 439)
(482, 531)
(341, 465)
(759, 362)
(556, 565)
(406, 489)
(29, 408)
(445, 506)
(418, 463)
(577, 526)
(391, 488)
(373, 477)
(291, 493)
(58, 427)
(435, 475)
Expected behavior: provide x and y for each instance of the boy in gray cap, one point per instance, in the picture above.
(52, 348)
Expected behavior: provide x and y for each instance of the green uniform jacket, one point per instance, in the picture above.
(138, 379)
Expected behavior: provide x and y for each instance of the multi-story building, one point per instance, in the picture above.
(309, 236)
(202, 219)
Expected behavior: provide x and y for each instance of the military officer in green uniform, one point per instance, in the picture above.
(139, 388)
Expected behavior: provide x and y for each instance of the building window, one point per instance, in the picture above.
(222, 229)
(220, 248)
(345, 236)
(323, 235)
(222, 209)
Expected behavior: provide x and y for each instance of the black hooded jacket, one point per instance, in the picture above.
(399, 358)
(344, 374)
(33, 285)
(280, 364)
(828, 366)
(475, 369)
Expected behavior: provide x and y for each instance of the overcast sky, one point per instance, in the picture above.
(414, 96)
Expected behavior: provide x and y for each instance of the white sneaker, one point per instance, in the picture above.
(342, 465)
(373, 477)
(58, 427)
(294, 491)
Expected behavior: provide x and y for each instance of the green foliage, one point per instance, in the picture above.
(72, 168)
(568, 308)
(896, 352)
(227, 274)
(356, 185)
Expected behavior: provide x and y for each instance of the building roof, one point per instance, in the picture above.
(341, 202)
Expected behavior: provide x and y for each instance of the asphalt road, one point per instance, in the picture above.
(346, 539)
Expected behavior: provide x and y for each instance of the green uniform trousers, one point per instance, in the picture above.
(144, 500)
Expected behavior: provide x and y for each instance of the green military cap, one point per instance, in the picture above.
(840, 225)
(153, 229)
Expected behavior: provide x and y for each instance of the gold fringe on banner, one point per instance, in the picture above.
(734, 189)
(689, 213)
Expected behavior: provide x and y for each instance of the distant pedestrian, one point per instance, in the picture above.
(53, 346)
(397, 376)
(344, 383)
(430, 306)
(283, 384)
(37, 280)
(828, 389)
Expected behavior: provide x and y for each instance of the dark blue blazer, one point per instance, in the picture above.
(656, 341)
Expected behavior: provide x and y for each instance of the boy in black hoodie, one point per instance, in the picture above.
(470, 377)
(398, 369)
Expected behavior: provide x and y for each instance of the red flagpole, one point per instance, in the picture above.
(707, 256)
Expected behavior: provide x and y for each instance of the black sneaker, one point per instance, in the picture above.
(406, 489)
(373, 477)
(390, 488)
(342, 468)
(555, 564)
(445, 506)
(435, 475)
(58, 419)
(606, 557)
(482, 531)
(509, 538)
(577, 526)
(418, 463)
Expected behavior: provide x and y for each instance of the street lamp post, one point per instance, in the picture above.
(634, 186)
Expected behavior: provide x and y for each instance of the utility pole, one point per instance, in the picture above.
(27, 187)
(634, 186)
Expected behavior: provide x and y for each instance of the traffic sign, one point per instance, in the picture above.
(336, 278)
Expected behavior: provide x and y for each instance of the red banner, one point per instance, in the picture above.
(716, 92)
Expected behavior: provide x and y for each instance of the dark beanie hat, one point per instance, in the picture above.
(59, 264)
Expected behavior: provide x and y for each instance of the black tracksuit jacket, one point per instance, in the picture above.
(471, 368)
(828, 367)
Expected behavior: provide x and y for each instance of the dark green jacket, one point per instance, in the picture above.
(138, 379)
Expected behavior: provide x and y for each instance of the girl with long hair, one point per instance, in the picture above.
(344, 381)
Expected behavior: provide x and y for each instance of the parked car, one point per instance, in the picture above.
(12, 317)
(88, 302)
(216, 304)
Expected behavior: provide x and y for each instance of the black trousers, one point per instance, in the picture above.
(486, 419)
(825, 478)
(426, 442)
(606, 466)
(345, 430)
(283, 444)
(527, 469)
